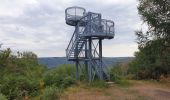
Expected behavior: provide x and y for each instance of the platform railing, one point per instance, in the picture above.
(108, 27)
(74, 14)
(97, 26)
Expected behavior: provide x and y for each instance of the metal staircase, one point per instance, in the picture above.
(89, 28)
(75, 46)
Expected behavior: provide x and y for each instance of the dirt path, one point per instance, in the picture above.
(154, 91)
(140, 90)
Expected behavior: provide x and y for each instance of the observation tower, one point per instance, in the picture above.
(85, 46)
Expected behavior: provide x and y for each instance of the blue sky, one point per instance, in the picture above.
(39, 25)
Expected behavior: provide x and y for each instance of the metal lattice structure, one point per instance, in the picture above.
(85, 46)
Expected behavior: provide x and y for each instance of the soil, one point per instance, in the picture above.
(138, 90)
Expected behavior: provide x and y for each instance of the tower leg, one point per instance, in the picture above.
(90, 60)
(100, 59)
(76, 53)
(77, 72)
(86, 60)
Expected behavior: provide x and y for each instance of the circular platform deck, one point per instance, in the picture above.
(74, 14)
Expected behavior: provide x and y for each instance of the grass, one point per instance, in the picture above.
(123, 83)
(99, 84)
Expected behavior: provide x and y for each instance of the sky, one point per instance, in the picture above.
(39, 25)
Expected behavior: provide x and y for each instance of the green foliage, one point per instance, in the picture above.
(22, 77)
(16, 87)
(153, 58)
(99, 84)
(2, 97)
(21, 59)
(66, 70)
(20, 74)
(5, 57)
(123, 82)
(156, 14)
(68, 81)
(149, 61)
(118, 74)
(114, 76)
(118, 71)
(62, 76)
(51, 93)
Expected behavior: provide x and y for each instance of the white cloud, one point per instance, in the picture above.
(14, 7)
(39, 25)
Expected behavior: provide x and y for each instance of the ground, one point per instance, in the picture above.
(137, 90)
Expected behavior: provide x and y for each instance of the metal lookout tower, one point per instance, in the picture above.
(85, 46)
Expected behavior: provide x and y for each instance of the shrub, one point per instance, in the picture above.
(16, 87)
(51, 93)
(53, 79)
(58, 80)
(2, 97)
(123, 82)
(68, 81)
(115, 73)
(66, 70)
(118, 74)
(99, 84)
(59, 77)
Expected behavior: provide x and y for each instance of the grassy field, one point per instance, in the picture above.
(135, 90)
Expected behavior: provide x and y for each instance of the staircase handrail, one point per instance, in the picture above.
(71, 44)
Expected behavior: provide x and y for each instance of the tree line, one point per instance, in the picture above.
(153, 58)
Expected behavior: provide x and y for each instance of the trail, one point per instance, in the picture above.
(139, 90)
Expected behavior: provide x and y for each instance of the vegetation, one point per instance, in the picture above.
(2, 97)
(99, 84)
(22, 77)
(62, 76)
(51, 93)
(119, 74)
(153, 58)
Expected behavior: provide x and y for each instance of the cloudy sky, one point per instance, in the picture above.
(39, 25)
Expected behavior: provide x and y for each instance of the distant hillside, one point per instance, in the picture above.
(114, 60)
(55, 61)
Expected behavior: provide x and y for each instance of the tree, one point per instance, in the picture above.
(153, 58)
(156, 13)
(5, 57)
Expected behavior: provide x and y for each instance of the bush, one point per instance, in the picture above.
(68, 81)
(16, 87)
(59, 77)
(53, 79)
(2, 97)
(66, 70)
(51, 93)
(118, 73)
(23, 78)
(115, 73)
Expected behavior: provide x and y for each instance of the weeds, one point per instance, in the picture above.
(99, 84)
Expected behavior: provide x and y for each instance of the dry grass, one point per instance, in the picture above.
(139, 90)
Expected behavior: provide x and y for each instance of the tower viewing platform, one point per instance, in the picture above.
(85, 46)
(74, 15)
(92, 23)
